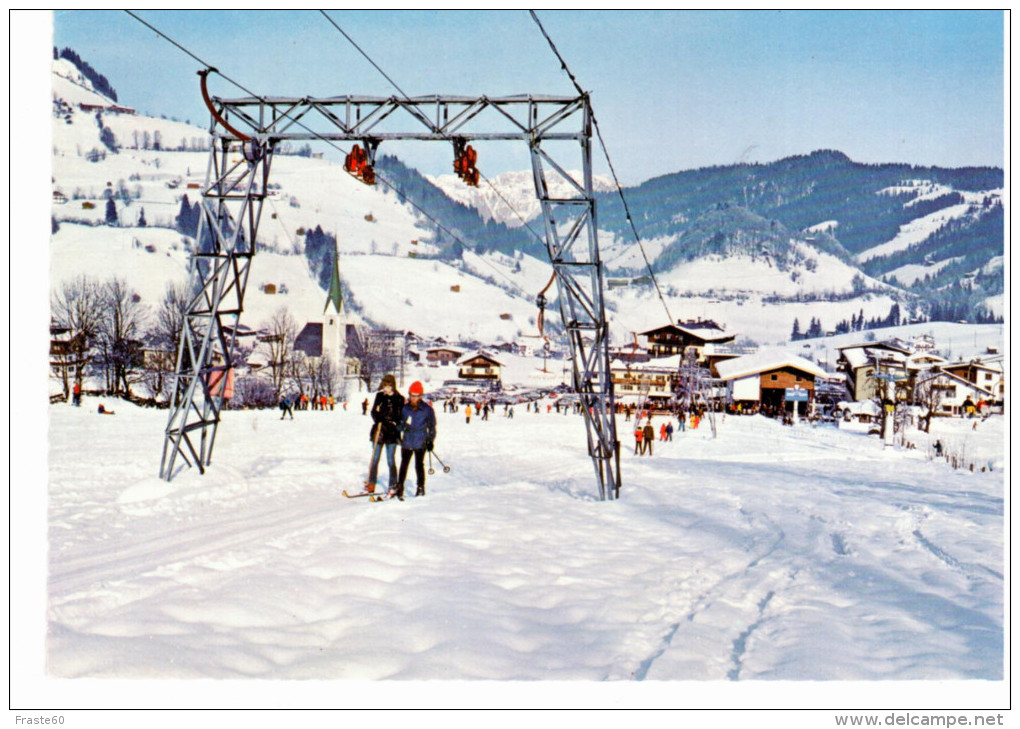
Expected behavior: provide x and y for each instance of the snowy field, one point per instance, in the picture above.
(769, 554)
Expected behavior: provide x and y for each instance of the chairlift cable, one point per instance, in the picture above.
(209, 68)
(612, 169)
(411, 101)
(408, 99)
(362, 52)
(483, 176)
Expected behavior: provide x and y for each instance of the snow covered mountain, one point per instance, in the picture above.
(936, 235)
(735, 263)
(510, 198)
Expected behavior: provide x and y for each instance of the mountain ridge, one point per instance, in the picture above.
(723, 251)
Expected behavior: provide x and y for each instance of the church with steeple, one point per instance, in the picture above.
(328, 338)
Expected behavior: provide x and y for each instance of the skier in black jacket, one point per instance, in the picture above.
(385, 432)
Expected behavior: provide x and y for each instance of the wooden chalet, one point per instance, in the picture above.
(629, 354)
(115, 108)
(443, 355)
(767, 380)
(645, 381)
(480, 366)
(703, 335)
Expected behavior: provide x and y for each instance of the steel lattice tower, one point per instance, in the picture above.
(232, 205)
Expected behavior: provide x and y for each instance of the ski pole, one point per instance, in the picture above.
(446, 469)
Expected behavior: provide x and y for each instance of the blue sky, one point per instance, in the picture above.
(672, 90)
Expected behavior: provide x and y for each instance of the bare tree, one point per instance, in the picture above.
(928, 395)
(331, 378)
(119, 329)
(78, 305)
(165, 338)
(378, 356)
(324, 377)
(280, 333)
(253, 392)
(301, 377)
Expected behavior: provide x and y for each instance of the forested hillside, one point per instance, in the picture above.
(895, 219)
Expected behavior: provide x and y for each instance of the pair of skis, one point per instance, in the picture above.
(372, 495)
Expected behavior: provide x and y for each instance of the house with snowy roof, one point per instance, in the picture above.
(862, 363)
(701, 335)
(645, 380)
(771, 380)
(630, 353)
(443, 355)
(953, 392)
(922, 361)
(480, 366)
(985, 374)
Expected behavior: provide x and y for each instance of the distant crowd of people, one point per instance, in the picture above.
(645, 431)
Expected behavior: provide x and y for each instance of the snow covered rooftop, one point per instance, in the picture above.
(705, 329)
(478, 354)
(864, 355)
(765, 362)
(658, 364)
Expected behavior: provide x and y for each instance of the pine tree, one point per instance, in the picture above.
(894, 316)
(141, 218)
(111, 212)
(187, 219)
(183, 215)
(107, 137)
(795, 334)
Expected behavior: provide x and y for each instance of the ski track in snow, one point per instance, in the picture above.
(766, 553)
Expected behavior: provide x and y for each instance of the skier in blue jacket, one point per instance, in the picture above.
(417, 435)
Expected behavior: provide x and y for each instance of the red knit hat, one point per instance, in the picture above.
(416, 388)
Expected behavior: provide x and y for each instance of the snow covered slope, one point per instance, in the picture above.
(769, 553)
(919, 229)
(377, 232)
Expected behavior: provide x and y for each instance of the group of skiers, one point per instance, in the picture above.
(315, 402)
(644, 431)
(485, 407)
(409, 423)
(289, 403)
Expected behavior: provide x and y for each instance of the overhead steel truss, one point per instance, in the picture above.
(246, 132)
